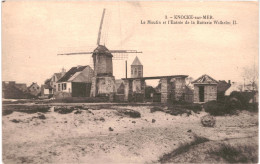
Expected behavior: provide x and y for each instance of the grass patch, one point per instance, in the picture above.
(236, 154)
(183, 148)
(8, 109)
(156, 108)
(64, 109)
(81, 100)
(179, 109)
(129, 112)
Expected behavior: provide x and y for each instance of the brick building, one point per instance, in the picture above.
(205, 89)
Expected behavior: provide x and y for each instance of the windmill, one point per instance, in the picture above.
(103, 66)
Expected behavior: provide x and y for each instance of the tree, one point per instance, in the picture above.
(250, 75)
(188, 81)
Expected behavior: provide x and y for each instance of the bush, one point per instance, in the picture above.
(156, 108)
(183, 148)
(208, 121)
(241, 101)
(129, 112)
(40, 116)
(253, 107)
(6, 112)
(237, 154)
(178, 109)
(64, 110)
(218, 109)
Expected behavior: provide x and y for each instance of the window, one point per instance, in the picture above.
(139, 73)
(64, 86)
(135, 71)
(58, 87)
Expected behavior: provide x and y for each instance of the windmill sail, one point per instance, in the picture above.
(100, 27)
(77, 53)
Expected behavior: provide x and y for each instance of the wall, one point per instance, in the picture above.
(103, 86)
(134, 73)
(179, 88)
(61, 95)
(68, 87)
(35, 89)
(210, 92)
(103, 65)
(165, 90)
(137, 86)
(81, 89)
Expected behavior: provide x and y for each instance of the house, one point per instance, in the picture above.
(49, 86)
(56, 77)
(13, 90)
(205, 89)
(75, 83)
(34, 89)
(235, 86)
(222, 87)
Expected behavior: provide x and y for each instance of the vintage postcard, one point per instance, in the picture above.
(130, 82)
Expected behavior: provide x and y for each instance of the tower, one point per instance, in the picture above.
(136, 68)
(102, 60)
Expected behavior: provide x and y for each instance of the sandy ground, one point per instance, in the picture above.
(86, 138)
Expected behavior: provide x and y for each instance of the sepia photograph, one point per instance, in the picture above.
(130, 81)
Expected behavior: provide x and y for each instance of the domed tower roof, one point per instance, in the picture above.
(136, 61)
(102, 50)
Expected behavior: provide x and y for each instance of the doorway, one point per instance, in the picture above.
(201, 93)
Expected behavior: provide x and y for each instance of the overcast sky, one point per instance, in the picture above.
(33, 33)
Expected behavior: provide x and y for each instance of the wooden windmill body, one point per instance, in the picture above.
(103, 82)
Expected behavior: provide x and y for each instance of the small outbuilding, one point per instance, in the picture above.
(205, 89)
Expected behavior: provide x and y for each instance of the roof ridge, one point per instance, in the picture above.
(205, 75)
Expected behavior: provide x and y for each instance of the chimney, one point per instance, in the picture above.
(229, 82)
(63, 71)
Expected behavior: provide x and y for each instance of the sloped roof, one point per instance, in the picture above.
(234, 87)
(46, 86)
(223, 86)
(47, 81)
(74, 76)
(119, 82)
(205, 79)
(136, 61)
(71, 72)
(102, 50)
(33, 84)
(58, 75)
(188, 89)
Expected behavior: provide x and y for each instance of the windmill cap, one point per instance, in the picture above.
(102, 50)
